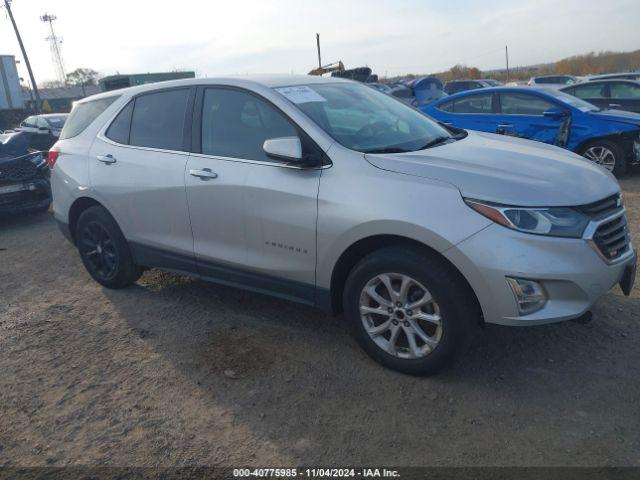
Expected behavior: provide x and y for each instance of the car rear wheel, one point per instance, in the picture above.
(409, 310)
(103, 249)
(608, 154)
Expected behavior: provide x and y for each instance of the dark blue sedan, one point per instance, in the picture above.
(610, 138)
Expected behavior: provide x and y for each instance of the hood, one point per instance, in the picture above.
(619, 116)
(507, 170)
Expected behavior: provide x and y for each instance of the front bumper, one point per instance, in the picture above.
(26, 196)
(571, 272)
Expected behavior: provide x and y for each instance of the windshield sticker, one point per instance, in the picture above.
(301, 94)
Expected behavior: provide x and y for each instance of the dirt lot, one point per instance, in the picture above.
(137, 377)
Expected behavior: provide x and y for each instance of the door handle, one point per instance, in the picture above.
(505, 125)
(615, 105)
(107, 159)
(204, 174)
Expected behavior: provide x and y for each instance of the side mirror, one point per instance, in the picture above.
(554, 112)
(44, 130)
(288, 149)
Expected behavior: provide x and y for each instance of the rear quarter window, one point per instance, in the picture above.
(83, 115)
(446, 107)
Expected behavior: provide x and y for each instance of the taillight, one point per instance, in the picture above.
(52, 156)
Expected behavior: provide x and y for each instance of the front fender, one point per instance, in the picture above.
(366, 202)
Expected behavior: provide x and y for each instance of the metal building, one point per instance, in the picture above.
(10, 90)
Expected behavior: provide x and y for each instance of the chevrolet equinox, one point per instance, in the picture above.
(330, 193)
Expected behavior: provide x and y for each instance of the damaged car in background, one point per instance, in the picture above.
(610, 138)
(24, 176)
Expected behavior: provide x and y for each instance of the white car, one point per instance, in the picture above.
(46, 124)
(552, 81)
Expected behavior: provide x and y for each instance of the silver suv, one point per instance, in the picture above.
(330, 193)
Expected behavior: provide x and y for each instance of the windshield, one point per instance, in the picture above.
(575, 102)
(365, 120)
(56, 122)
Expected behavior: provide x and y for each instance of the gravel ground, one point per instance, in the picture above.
(175, 372)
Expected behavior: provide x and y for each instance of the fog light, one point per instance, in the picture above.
(529, 294)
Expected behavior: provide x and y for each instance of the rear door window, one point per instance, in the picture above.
(473, 104)
(625, 91)
(83, 114)
(523, 104)
(590, 91)
(158, 120)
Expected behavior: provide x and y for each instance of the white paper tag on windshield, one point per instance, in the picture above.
(301, 94)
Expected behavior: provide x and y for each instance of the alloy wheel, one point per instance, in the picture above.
(99, 250)
(602, 156)
(400, 315)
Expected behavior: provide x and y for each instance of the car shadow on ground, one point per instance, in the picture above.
(281, 367)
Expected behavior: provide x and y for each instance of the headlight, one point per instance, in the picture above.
(553, 221)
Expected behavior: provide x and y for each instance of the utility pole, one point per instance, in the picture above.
(506, 51)
(318, 43)
(7, 4)
(55, 42)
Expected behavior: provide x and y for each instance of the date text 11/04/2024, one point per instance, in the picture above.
(315, 472)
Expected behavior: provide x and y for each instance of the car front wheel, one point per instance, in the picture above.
(608, 154)
(409, 310)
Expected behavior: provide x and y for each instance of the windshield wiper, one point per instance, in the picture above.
(435, 141)
(386, 150)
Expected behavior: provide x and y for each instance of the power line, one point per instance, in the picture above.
(7, 4)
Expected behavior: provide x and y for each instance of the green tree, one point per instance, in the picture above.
(82, 77)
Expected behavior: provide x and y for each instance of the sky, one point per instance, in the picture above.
(393, 37)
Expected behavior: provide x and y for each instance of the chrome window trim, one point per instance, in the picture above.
(591, 229)
(260, 162)
(105, 139)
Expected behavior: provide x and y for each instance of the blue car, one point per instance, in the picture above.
(610, 138)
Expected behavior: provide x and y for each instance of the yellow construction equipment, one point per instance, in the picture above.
(330, 67)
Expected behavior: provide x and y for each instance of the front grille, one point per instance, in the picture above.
(601, 208)
(612, 238)
(18, 170)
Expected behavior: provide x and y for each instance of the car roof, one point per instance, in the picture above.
(605, 80)
(613, 74)
(49, 115)
(467, 80)
(247, 81)
(554, 75)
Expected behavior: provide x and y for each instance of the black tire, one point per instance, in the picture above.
(458, 308)
(103, 249)
(621, 164)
